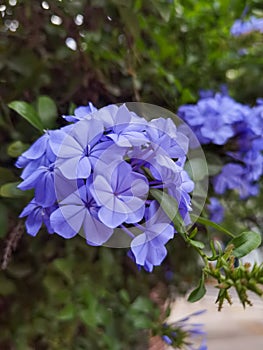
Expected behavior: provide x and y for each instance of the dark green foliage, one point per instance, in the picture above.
(58, 294)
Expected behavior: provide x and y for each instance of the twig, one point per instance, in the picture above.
(11, 243)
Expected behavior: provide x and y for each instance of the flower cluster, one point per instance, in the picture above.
(241, 27)
(95, 175)
(182, 334)
(235, 131)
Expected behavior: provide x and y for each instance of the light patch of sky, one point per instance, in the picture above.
(45, 5)
(56, 20)
(79, 19)
(71, 44)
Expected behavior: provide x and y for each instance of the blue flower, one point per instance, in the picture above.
(241, 27)
(164, 134)
(181, 333)
(73, 153)
(230, 178)
(121, 194)
(79, 212)
(42, 179)
(234, 177)
(36, 216)
(213, 118)
(81, 112)
(167, 339)
(148, 248)
(216, 210)
(220, 120)
(127, 130)
(39, 154)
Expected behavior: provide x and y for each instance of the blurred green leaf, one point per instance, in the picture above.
(196, 244)
(64, 266)
(6, 175)
(245, 243)
(28, 112)
(47, 111)
(15, 149)
(10, 190)
(142, 304)
(67, 313)
(7, 286)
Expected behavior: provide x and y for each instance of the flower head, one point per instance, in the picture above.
(95, 175)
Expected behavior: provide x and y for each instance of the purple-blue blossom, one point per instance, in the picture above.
(213, 118)
(148, 248)
(95, 175)
(244, 27)
(81, 112)
(77, 212)
(184, 334)
(36, 216)
(221, 121)
(121, 194)
(216, 210)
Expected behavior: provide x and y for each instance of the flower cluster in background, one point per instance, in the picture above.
(96, 174)
(234, 132)
(184, 333)
(242, 27)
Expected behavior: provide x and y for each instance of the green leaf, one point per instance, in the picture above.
(47, 111)
(198, 292)
(64, 266)
(15, 149)
(67, 313)
(27, 112)
(245, 243)
(6, 175)
(193, 233)
(196, 244)
(170, 207)
(142, 304)
(207, 222)
(10, 190)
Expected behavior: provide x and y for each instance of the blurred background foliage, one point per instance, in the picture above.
(55, 293)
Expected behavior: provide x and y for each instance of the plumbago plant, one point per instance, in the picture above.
(120, 180)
